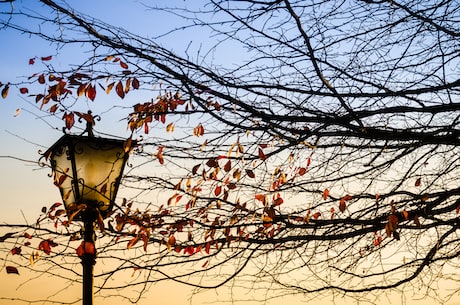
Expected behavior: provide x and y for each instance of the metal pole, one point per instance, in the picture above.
(88, 260)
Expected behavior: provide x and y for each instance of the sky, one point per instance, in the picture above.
(25, 131)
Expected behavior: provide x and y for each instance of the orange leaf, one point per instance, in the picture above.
(5, 91)
(109, 88)
(325, 194)
(81, 89)
(123, 65)
(132, 242)
(171, 240)
(316, 215)
(405, 214)
(260, 197)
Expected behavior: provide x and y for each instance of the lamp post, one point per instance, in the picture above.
(88, 171)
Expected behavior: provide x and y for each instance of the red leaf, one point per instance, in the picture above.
(16, 250)
(278, 201)
(45, 246)
(316, 215)
(86, 247)
(31, 61)
(378, 240)
(123, 65)
(302, 171)
(217, 190)
(41, 79)
(120, 91)
(262, 156)
(418, 182)
(11, 269)
(24, 90)
(228, 166)
(91, 92)
(47, 58)
(135, 83)
(69, 119)
(325, 194)
(342, 205)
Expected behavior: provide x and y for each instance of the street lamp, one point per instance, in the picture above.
(88, 171)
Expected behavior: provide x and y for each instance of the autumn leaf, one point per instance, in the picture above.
(41, 79)
(262, 155)
(132, 242)
(123, 65)
(405, 214)
(316, 215)
(343, 202)
(195, 169)
(217, 190)
(170, 127)
(12, 270)
(24, 90)
(135, 83)
(418, 182)
(325, 194)
(260, 197)
(45, 246)
(212, 163)
(302, 171)
(91, 92)
(391, 225)
(16, 251)
(120, 91)
(31, 61)
(69, 119)
(198, 130)
(171, 241)
(5, 91)
(278, 201)
(47, 58)
(86, 247)
(228, 166)
(250, 173)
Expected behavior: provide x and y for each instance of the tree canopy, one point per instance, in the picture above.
(286, 146)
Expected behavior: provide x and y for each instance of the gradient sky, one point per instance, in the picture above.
(26, 188)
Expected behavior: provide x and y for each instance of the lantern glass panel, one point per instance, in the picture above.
(87, 171)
